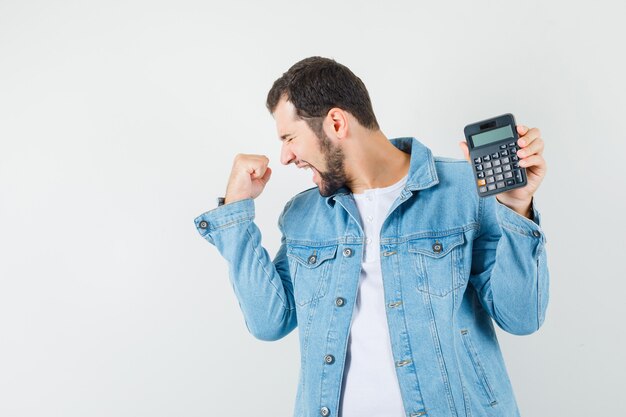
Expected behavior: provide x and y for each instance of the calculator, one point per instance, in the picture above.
(493, 150)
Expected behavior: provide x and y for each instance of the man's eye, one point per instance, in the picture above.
(289, 140)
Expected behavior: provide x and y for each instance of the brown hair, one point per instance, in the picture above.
(315, 85)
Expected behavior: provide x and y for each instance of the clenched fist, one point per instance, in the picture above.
(248, 177)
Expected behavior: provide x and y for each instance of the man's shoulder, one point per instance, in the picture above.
(456, 168)
(424, 155)
(455, 178)
(309, 195)
(445, 160)
(307, 199)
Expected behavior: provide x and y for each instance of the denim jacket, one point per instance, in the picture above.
(452, 263)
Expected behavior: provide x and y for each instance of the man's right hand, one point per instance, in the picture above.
(248, 177)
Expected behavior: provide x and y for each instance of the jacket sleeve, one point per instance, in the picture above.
(509, 267)
(263, 287)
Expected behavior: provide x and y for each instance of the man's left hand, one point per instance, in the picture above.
(530, 157)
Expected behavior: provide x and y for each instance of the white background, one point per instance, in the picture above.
(118, 124)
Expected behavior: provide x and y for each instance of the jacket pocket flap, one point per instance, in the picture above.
(312, 256)
(436, 247)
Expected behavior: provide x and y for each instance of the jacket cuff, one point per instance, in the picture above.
(225, 216)
(510, 219)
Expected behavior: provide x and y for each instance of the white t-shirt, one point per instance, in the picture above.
(370, 385)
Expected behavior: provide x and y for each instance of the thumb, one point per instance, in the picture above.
(267, 175)
(464, 149)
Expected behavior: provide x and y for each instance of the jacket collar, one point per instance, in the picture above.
(422, 172)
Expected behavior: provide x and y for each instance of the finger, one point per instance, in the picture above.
(257, 166)
(521, 129)
(267, 175)
(533, 161)
(528, 137)
(257, 170)
(535, 147)
(464, 149)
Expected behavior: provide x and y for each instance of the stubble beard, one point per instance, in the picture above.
(335, 175)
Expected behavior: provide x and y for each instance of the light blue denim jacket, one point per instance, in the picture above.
(452, 264)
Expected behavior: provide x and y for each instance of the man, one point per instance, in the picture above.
(392, 266)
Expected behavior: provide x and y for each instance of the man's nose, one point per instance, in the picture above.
(286, 156)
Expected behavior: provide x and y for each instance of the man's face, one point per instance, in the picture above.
(301, 146)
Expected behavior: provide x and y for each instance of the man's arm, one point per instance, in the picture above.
(263, 287)
(509, 268)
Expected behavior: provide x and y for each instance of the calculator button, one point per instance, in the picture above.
(479, 167)
(490, 180)
(497, 170)
(487, 158)
(491, 187)
(507, 167)
(514, 158)
(477, 160)
(495, 155)
(483, 189)
(481, 183)
(499, 177)
(508, 175)
(487, 164)
(505, 160)
(512, 145)
(489, 172)
(518, 176)
(510, 182)
(500, 184)
(513, 150)
(504, 153)
(480, 174)
(515, 165)
(496, 162)
(503, 146)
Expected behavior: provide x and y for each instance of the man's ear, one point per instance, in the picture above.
(338, 122)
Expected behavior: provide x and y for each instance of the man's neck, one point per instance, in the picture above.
(373, 162)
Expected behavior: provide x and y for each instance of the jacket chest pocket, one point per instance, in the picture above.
(438, 263)
(310, 268)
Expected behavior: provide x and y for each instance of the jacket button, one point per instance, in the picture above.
(329, 359)
(312, 259)
(339, 302)
(203, 224)
(437, 247)
(347, 252)
(536, 233)
(324, 411)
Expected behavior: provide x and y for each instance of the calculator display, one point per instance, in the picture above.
(491, 136)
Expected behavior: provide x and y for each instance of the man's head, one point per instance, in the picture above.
(314, 103)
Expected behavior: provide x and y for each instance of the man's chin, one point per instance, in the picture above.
(326, 191)
(323, 193)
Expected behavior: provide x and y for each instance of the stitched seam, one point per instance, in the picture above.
(480, 214)
(406, 326)
(440, 359)
(269, 276)
(439, 159)
(233, 222)
(516, 229)
(478, 367)
(538, 297)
